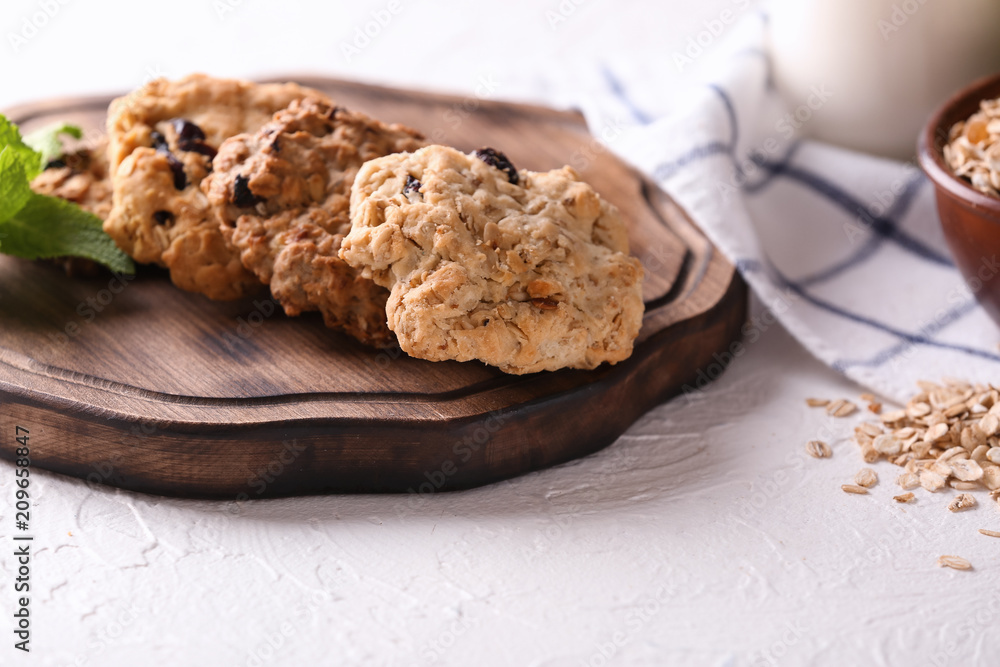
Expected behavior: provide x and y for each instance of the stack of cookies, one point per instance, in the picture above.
(233, 185)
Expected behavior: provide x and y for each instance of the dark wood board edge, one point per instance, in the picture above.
(468, 452)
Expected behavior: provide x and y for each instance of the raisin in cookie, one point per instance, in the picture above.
(283, 198)
(163, 138)
(524, 271)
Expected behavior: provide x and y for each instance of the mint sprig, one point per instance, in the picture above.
(35, 226)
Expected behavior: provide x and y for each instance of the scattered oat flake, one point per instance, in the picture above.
(908, 480)
(841, 408)
(966, 470)
(875, 407)
(866, 477)
(964, 486)
(818, 449)
(936, 432)
(851, 488)
(931, 481)
(868, 429)
(990, 424)
(887, 445)
(817, 402)
(961, 502)
(989, 533)
(904, 498)
(894, 416)
(954, 562)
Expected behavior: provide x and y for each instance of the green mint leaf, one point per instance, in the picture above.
(10, 138)
(14, 189)
(48, 140)
(50, 227)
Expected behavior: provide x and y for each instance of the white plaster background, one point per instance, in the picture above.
(704, 536)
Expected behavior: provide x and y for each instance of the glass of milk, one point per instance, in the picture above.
(885, 64)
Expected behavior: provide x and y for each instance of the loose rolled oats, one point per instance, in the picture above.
(841, 408)
(931, 480)
(946, 436)
(963, 501)
(954, 562)
(818, 449)
(866, 477)
(966, 470)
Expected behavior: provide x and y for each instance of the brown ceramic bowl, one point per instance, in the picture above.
(970, 219)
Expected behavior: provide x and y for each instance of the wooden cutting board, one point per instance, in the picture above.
(145, 387)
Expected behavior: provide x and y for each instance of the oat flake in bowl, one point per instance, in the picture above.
(973, 148)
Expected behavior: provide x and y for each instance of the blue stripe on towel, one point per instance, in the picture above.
(668, 169)
(618, 89)
(907, 339)
(734, 125)
(898, 349)
(882, 225)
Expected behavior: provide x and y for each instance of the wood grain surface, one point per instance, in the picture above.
(134, 383)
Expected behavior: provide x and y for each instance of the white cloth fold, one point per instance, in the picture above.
(844, 248)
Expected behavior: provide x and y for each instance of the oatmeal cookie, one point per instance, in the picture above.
(163, 138)
(526, 271)
(82, 178)
(283, 198)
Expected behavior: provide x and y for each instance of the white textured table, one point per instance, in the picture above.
(704, 536)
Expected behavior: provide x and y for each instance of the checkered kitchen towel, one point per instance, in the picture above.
(843, 247)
